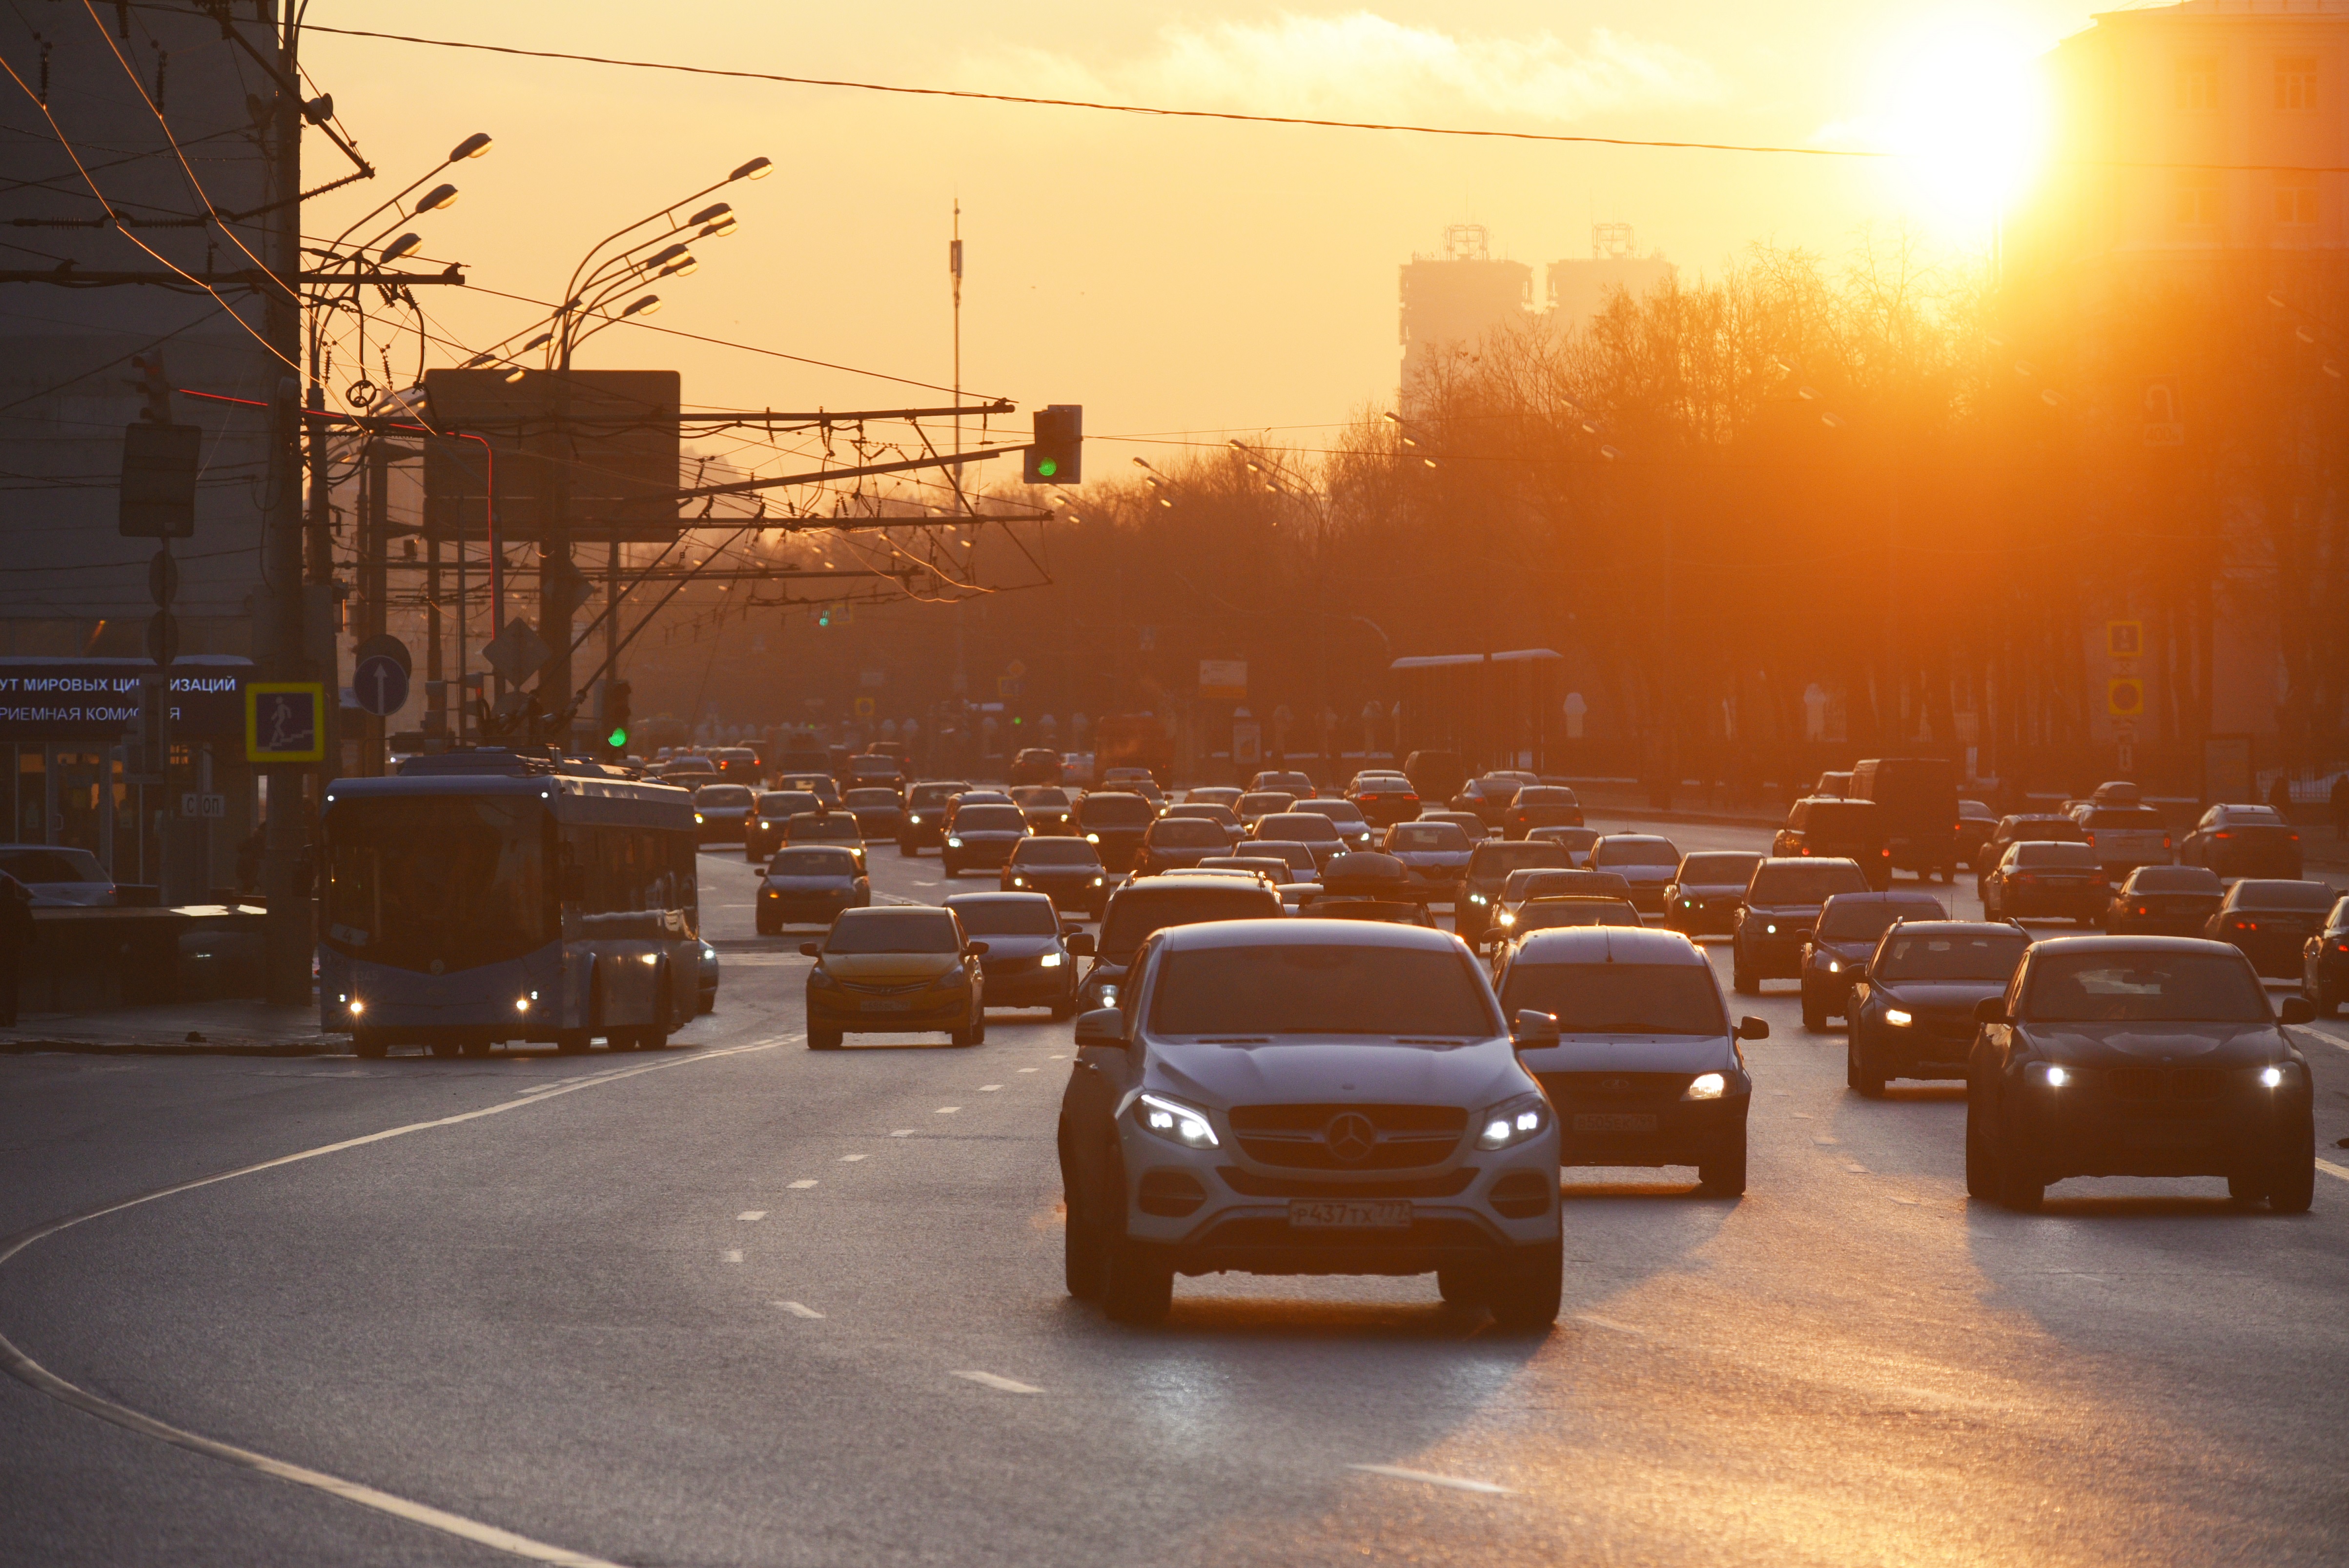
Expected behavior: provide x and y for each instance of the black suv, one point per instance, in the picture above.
(1782, 904)
(1112, 821)
(1838, 830)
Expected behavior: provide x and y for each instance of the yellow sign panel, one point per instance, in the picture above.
(864, 708)
(2125, 698)
(2125, 639)
(285, 721)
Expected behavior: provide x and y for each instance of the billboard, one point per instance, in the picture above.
(602, 443)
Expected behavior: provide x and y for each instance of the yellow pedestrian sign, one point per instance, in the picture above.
(285, 721)
(2125, 639)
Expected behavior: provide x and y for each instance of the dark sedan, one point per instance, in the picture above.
(2164, 900)
(2243, 842)
(1068, 871)
(925, 823)
(2036, 880)
(1298, 785)
(2272, 921)
(1912, 1014)
(1312, 828)
(1436, 852)
(1352, 826)
(981, 838)
(1646, 1069)
(1976, 822)
(880, 812)
(1645, 860)
(1178, 843)
(2324, 963)
(1704, 893)
(1541, 806)
(804, 828)
(1489, 865)
(1031, 962)
(808, 886)
(1384, 799)
(721, 813)
(1487, 797)
(1112, 821)
(1781, 905)
(763, 832)
(1257, 804)
(2139, 1056)
(1849, 925)
(2034, 828)
(1048, 807)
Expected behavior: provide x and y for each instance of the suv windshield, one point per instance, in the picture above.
(1428, 836)
(2144, 987)
(1055, 852)
(2283, 896)
(1498, 860)
(1620, 852)
(1114, 810)
(1619, 999)
(2175, 879)
(933, 794)
(892, 931)
(1040, 795)
(1187, 834)
(1008, 917)
(726, 796)
(989, 820)
(1989, 956)
(783, 802)
(1718, 870)
(815, 825)
(865, 797)
(1336, 810)
(1299, 826)
(2058, 857)
(1855, 922)
(812, 863)
(1797, 883)
(1291, 989)
(1138, 910)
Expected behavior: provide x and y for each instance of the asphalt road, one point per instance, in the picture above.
(743, 1303)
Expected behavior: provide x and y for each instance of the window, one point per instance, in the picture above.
(2295, 84)
(2295, 199)
(2194, 200)
(2197, 84)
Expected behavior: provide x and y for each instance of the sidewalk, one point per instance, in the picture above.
(234, 1028)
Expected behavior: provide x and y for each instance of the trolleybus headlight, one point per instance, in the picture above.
(522, 1003)
(358, 1007)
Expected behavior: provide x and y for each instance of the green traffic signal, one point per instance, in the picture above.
(616, 739)
(1047, 466)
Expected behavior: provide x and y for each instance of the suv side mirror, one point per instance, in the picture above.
(1531, 1030)
(1079, 943)
(811, 949)
(975, 949)
(2295, 1010)
(1750, 1027)
(1102, 1026)
(1991, 1010)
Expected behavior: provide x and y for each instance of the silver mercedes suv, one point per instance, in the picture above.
(1298, 1097)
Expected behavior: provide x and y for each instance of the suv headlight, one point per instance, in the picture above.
(1897, 1018)
(1707, 1085)
(1175, 1121)
(1512, 1121)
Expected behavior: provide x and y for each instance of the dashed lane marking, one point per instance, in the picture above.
(796, 1310)
(751, 1214)
(2329, 1169)
(1821, 1139)
(902, 1133)
(1457, 1483)
(1001, 1385)
(802, 1183)
(1609, 1322)
(1855, 1167)
(850, 1159)
(732, 1255)
(989, 1088)
(948, 1109)
(1027, 1070)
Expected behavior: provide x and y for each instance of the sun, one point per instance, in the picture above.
(1961, 99)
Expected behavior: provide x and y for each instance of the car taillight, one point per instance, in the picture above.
(2165, 840)
(1886, 853)
(2340, 947)
(2141, 909)
(2222, 833)
(2247, 925)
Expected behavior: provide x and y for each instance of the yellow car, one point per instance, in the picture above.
(896, 970)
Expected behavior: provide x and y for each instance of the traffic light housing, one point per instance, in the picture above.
(1056, 454)
(615, 716)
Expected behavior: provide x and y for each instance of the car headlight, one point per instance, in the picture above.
(1478, 898)
(522, 1003)
(916, 819)
(1896, 1019)
(1098, 880)
(2055, 1075)
(1707, 1086)
(359, 1007)
(1512, 1121)
(1175, 1121)
(1019, 882)
(1506, 918)
(820, 977)
(1835, 965)
(1092, 838)
(954, 843)
(1051, 961)
(2270, 1078)
(699, 818)
(1769, 931)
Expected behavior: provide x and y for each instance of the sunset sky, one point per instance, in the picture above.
(1171, 275)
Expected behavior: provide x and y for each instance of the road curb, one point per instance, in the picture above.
(22, 1048)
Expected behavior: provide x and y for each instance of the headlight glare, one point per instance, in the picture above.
(1092, 838)
(1707, 1086)
(1051, 961)
(1512, 1121)
(2056, 1076)
(2270, 1078)
(1897, 1018)
(1175, 1121)
(954, 843)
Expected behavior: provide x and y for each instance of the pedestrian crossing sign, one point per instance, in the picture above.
(285, 721)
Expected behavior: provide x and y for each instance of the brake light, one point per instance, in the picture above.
(2165, 840)
(2222, 833)
(1805, 849)
(2247, 925)
(1886, 853)
(2142, 909)
(2295, 838)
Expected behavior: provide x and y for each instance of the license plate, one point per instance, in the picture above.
(888, 1004)
(1350, 1214)
(1615, 1121)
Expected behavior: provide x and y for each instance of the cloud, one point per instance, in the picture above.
(1363, 66)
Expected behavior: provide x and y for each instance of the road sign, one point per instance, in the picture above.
(2163, 428)
(2125, 639)
(517, 652)
(2124, 698)
(162, 637)
(157, 497)
(1224, 680)
(389, 645)
(864, 708)
(195, 807)
(379, 684)
(1005, 687)
(1016, 669)
(285, 721)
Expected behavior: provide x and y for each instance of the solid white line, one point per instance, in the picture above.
(796, 1310)
(751, 1214)
(803, 1184)
(2329, 1169)
(32, 1373)
(1005, 1384)
(1456, 1483)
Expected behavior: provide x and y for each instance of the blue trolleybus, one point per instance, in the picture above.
(490, 896)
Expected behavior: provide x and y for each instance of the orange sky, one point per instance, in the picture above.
(1171, 275)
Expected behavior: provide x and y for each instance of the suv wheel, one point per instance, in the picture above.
(2293, 1186)
(1724, 1175)
(1815, 1014)
(1528, 1300)
(1139, 1285)
(1981, 1158)
(2021, 1185)
(1740, 978)
(1859, 1072)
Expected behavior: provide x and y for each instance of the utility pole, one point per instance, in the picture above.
(290, 937)
(962, 503)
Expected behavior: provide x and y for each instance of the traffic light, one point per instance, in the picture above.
(1056, 456)
(616, 715)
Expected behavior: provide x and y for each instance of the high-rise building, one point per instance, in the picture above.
(1451, 300)
(1579, 290)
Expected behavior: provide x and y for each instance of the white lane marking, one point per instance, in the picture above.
(751, 1214)
(948, 1109)
(32, 1373)
(1057, 1056)
(1800, 1114)
(902, 1133)
(1898, 1199)
(1821, 1139)
(1003, 1384)
(803, 1184)
(850, 1159)
(796, 1310)
(1855, 1167)
(1597, 1321)
(1457, 1483)
(1027, 1070)
(989, 1088)
(2330, 1039)
(732, 1255)
(2329, 1169)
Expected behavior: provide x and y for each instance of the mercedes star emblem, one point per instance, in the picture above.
(1350, 1137)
